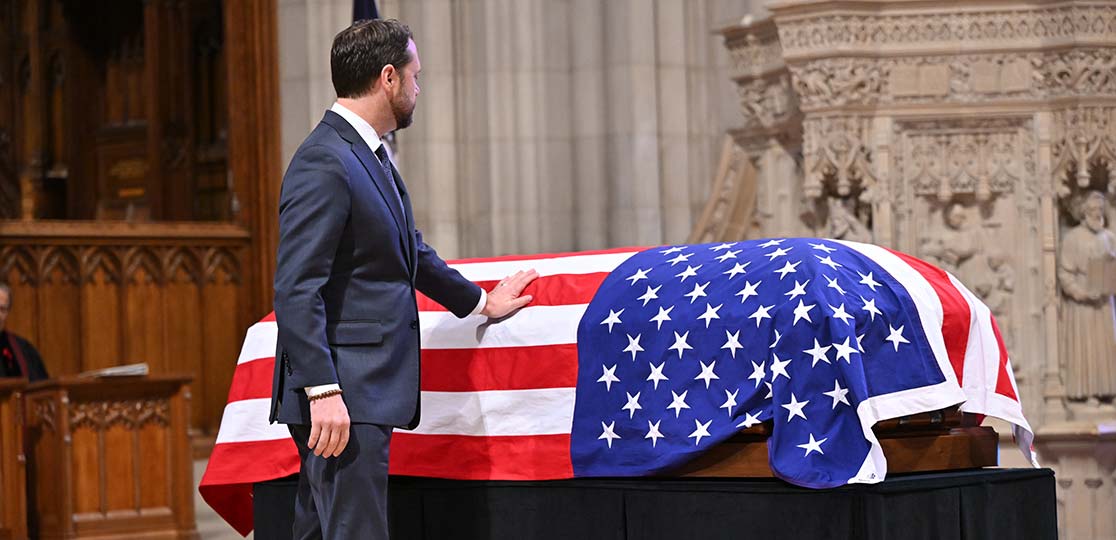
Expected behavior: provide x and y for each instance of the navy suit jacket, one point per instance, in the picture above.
(349, 263)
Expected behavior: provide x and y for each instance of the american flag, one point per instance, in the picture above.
(633, 361)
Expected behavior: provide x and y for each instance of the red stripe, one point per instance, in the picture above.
(462, 457)
(956, 317)
(233, 467)
(269, 318)
(252, 380)
(509, 368)
(1003, 380)
(555, 290)
(630, 249)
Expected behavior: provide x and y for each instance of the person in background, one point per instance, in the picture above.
(18, 358)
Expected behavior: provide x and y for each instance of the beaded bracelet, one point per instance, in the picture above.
(327, 393)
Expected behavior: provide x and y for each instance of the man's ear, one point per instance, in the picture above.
(388, 75)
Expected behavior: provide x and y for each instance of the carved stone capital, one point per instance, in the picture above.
(835, 82)
(865, 26)
(1083, 138)
(836, 150)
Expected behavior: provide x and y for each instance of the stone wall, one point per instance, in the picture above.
(543, 125)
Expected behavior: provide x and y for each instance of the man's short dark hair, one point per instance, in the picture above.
(361, 51)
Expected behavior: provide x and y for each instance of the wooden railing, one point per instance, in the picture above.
(92, 295)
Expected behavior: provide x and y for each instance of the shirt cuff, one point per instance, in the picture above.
(312, 391)
(481, 303)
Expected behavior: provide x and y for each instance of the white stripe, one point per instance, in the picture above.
(982, 352)
(546, 411)
(982, 371)
(577, 264)
(259, 342)
(894, 405)
(530, 326)
(925, 298)
(246, 421)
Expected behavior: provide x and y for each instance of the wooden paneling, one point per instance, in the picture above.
(93, 295)
(13, 511)
(125, 118)
(110, 458)
(172, 108)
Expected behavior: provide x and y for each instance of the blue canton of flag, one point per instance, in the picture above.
(683, 347)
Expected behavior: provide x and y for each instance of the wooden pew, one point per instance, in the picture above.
(110, 458)
(13, 483)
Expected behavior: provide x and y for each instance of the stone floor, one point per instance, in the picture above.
(210, 525)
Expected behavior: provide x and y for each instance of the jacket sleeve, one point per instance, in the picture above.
(444, 285)
(314, 207)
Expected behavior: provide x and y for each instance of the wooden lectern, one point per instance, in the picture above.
(109, 458)
(13, 483)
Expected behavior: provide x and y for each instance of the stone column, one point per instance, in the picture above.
(565, 125)
(306, 30)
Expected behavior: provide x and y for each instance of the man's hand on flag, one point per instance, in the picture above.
(504, 299)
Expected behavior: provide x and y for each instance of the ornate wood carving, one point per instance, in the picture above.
(133, 414)
(106, 115)
(180, 261)
(94, 259)
(145, 259)
(22, 260)
(63, 260)
(219, 262)
(43, 413)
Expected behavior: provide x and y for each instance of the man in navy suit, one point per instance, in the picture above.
(349, 262)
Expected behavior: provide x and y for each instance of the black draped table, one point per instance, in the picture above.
(975, 504)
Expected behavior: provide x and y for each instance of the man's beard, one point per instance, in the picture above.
(1094, 223)
(403, 117)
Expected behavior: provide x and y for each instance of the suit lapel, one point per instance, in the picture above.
(372, 165)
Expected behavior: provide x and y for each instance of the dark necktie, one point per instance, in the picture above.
(385, 165)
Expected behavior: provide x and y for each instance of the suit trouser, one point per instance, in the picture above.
(345, 496)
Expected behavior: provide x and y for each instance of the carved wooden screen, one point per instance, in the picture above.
(113, 110)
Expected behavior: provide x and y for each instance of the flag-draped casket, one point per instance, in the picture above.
(634, 361)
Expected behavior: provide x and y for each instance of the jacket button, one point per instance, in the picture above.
(414, 325)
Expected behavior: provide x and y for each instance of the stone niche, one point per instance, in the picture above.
(980, 136)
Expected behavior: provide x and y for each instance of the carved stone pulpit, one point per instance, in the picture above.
(109, 458)
(980, 136)
(13, 484)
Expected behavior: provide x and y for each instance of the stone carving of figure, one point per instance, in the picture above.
(1089, 324)
(997, 288)
(842, 224)
(955, 244)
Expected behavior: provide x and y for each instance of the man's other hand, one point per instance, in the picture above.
(329, 426)
(505, 299)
